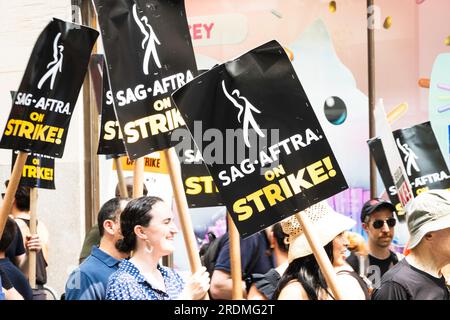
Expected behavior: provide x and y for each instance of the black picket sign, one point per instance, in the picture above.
(110, 140)
(149, 54)
(199, 186)
(45, 101)
(421, 156)
(38, 172)
(236, 107)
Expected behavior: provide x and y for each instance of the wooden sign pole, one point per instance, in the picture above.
(121, 181)
(372, 94)
(319, 253)
(14, 180)
(182, 207)
(138, 178)
(33, 230)
(235, 260)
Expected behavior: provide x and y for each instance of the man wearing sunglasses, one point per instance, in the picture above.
(420, 275)
(378, 221)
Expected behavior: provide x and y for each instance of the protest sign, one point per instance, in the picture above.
(38, 171)
(422, 159)
(110, 138)
(198, 184)
(149, 54)
(393, 159)
(248, 100)
(45, 101)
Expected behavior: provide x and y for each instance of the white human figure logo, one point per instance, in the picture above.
(55, 66)
(149, 38)
(247, 110)
(409, 157)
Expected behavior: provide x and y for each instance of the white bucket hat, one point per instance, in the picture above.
(429, 211)
(327, 224)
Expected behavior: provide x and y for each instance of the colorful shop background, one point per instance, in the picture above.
(328, 42)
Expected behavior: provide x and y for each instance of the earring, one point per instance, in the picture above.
(147, 249)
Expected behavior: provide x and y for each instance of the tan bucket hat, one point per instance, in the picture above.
(429, 211)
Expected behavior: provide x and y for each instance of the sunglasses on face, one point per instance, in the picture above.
(377, 224)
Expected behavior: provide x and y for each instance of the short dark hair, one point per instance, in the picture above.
(137, 212)
(109, 211)
(280, 237)
(8, 234)
(22, 197)
(129, 184)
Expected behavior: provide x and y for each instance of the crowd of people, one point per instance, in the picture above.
(132, 236)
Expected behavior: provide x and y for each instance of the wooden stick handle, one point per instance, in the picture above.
(235, 260)
(33, 231)
(319, 253)
(138, 178)
(122, 186)
(182, 206)
(183, 211)
(371, 93)
(14, 180)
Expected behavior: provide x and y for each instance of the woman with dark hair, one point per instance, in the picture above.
(148, 229)
(303, 279)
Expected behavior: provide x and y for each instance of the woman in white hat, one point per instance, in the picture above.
(303, 279)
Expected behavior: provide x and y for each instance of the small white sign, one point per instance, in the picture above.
(394, 161)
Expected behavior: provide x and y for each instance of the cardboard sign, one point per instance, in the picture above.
(421, 156)
(393, 159)
(149, 54)
(45, 101)
(249, 100)
(110, 139)
(155, 162)
(38, 172)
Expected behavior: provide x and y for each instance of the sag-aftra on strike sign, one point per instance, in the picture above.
(45, 101)
(149, 54)
(283, 162)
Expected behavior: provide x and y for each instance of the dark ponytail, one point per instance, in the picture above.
(137, 212)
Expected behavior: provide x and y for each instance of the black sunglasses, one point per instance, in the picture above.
(377, 224)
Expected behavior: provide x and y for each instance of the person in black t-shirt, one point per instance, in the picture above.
(18, 280)
(255, 258)
(378, 221)
(419, 275)
(18, 250)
